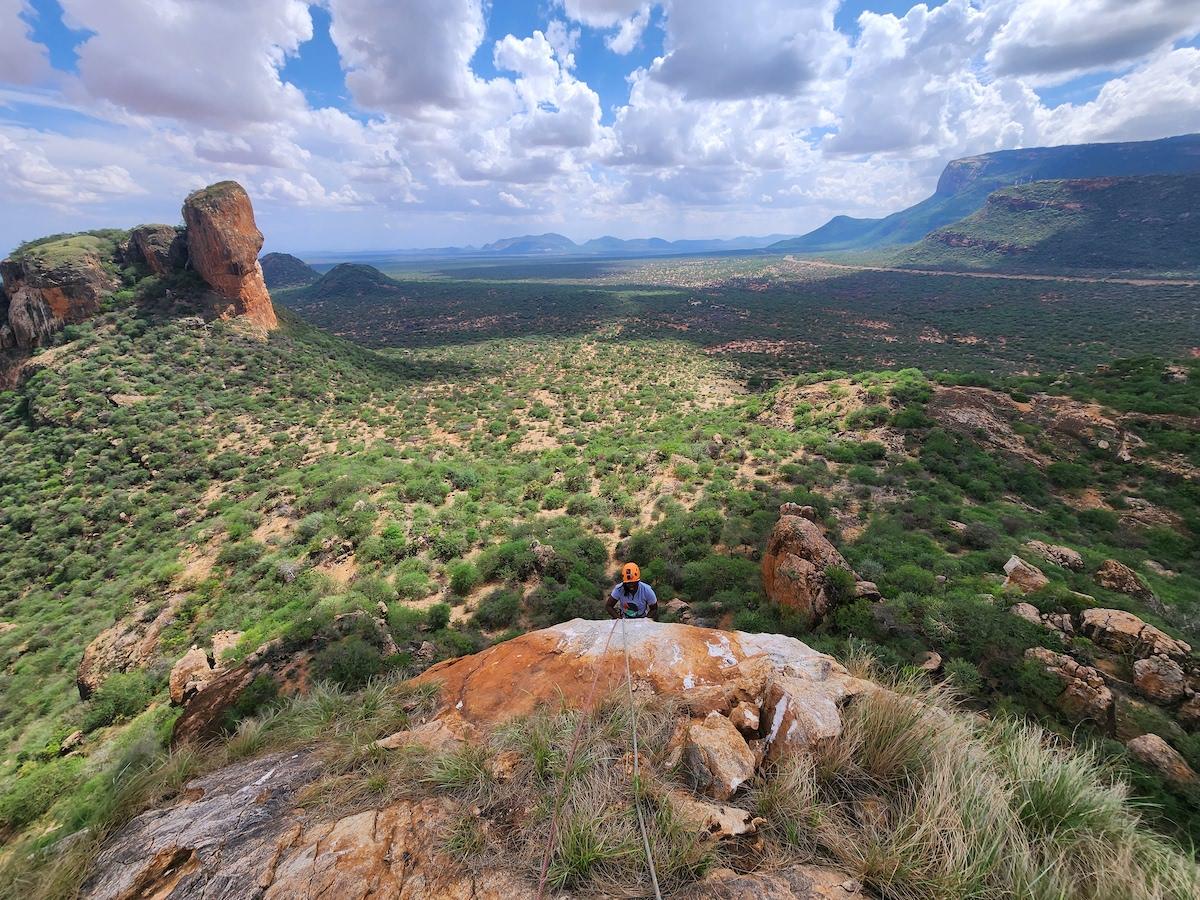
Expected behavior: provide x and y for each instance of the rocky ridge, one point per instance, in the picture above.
(63, 280)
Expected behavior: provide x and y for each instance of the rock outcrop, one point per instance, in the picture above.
(189, 675)
(1160, 680)
(1059, 555)
(223, 244)
(1084, 694)
(129, 644)
(706, 670)
(286, 665)
(249, 830)
(1123, 632)
(1158, 754)
(795, 564)
(1116, 576)
(42, 294)
(160, 248)
(1023, 577)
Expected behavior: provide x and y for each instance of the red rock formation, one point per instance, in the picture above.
(38, 298)
(793, 568)
(223, 244)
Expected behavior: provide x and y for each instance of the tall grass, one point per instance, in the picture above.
(925, 802)
(918, 799)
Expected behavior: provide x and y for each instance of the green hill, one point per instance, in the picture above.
(347, 281)
(282, 270)
(1143, 225)
(966, 183)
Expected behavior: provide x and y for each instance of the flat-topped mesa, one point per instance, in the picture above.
(223, 244)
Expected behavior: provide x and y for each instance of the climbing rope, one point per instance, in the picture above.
(570, 760)
(637, 778)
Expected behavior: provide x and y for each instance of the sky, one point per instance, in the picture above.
(385, 124)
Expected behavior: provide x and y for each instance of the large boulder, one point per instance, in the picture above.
(160, 248)
(705, 670)
(1084, 695)
(1159, 679)
(288, 666)
(717, 757)
(129, 644)
(794, 567)
(1060, 556)
(245, 832)
(1123, 632)
(1189, 713)
(190, 674)
(1116, 576)
(223, 244)
(1023, 577)
(1158, 754)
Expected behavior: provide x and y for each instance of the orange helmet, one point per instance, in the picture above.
(630, 573)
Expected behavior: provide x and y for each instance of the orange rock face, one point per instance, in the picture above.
(706, 670)
(36, 300)
(793, 568)
(223, 245)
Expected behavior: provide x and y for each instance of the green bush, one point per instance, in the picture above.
(350, 662)
(964, 675)
(464, 578)
(35, 789)
(437, 616)
(121, 695)
(498, 609)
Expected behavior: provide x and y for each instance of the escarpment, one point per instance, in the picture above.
(64, 280)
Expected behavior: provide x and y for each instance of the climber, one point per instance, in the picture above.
(632, 597)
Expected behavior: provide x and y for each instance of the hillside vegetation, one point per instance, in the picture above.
(511, 436)
(1114, 225)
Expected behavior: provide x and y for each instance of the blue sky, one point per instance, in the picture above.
(377, 124)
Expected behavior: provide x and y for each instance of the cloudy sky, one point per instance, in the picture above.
(378, 124)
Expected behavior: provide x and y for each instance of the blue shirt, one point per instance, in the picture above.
(637, 604)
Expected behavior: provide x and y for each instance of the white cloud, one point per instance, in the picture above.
(409, 56)
(211, 62)
(757, 116)
(1057, 39)
(913, 87)
(22, 60)
(601, 13)
(1161, 98)
(28, 173)
(629, 32)
(721, 50)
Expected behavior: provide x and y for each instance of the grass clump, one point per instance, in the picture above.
(923, 802)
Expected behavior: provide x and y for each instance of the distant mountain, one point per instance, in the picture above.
(282, 270)
(557, 245)
(532, 244)
(1146, 224)
(966, 183)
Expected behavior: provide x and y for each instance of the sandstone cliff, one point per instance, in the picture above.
(223, 245)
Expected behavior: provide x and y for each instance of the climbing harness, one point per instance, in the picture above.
(562, 792)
